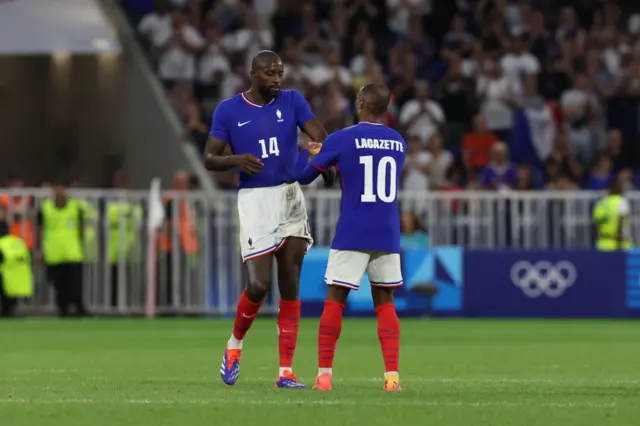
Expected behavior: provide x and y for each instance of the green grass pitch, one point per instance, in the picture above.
(454, 372)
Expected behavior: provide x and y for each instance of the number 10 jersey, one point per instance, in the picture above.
(370, 157)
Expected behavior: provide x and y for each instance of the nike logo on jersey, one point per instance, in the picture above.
(242, 124)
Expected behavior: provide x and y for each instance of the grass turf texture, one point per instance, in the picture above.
(454, 372)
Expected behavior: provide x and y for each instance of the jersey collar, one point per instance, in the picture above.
(244, 98)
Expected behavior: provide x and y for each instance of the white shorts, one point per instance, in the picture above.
(346, 268)
(268, 216)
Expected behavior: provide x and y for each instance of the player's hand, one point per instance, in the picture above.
(248, 163)
(313, 147)
(329, 176)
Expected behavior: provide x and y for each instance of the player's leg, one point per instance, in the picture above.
(385, 275)
(257, 244)
(259, 274)
(344, 272)
(289, 257)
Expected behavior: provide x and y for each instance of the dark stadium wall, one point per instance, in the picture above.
(82, 117)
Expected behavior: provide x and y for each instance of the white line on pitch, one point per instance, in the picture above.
(242, 401)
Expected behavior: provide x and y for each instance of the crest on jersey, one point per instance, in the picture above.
(279, 114)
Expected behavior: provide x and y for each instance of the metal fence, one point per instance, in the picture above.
(210, 280)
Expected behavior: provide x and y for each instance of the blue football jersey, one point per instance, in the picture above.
(270, 132)
(370, 158)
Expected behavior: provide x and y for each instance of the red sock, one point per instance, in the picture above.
(389, 335)
(330, 328)
(245, 314)
(288, 322)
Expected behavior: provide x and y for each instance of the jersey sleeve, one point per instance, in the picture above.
(302, 109)
(329, 154)
(219, 127)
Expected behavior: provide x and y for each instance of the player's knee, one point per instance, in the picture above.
(337, 294)
(257, 289)
(381, 295)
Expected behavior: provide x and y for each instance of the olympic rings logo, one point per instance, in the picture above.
(543, 278)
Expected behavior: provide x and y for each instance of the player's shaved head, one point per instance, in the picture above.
(374, 98)
(264, 59)
(266, 72)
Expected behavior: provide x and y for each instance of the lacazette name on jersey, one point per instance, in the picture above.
(388, 144)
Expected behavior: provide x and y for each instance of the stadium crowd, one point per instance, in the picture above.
(490, 94)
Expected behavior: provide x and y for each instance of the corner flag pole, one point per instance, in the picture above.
(154, 222)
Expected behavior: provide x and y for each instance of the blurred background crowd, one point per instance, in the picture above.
(490, 94)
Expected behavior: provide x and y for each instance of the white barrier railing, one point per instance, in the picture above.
(210, 280)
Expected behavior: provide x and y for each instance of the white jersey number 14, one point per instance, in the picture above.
(368, 195)
(273, 147)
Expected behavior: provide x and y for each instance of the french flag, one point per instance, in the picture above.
(534, 132)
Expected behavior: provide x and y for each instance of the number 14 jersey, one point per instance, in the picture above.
(269, 132)
(370, 157)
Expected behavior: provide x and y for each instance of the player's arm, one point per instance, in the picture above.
(309, 124)
(315, 130)
(219, 137)
(321, 163)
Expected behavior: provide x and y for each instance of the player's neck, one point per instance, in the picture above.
(254, 96)
(370, 119)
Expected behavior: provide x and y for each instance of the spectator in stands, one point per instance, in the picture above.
(295, 72)
(568, 26)
(601, 174)
(500, 173)
(579, 107)
(519, 63)
(248, 40)
(458, 37)
(417, 166)
(613, 150)
(537, 36)
(213, 66)
(455, 177)
(565, 159)
(562, 183)
(456, 95)
(335, 107)
(627, 180)
(498, 96)
(154, 24)
(187, 109)
(178, 45)
(420, 116)
(332, 70)
(440, 161)
(477, 145)
(524, 178)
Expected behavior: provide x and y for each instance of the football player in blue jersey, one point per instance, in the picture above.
(261, 128)
(370, 157)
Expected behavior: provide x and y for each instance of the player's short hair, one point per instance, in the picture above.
(376, 97)
(260, 60)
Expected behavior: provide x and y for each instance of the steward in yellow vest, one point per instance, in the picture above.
(124, 243)
(90, 236)
(16, 274)
(61, 227)
(611, 216)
